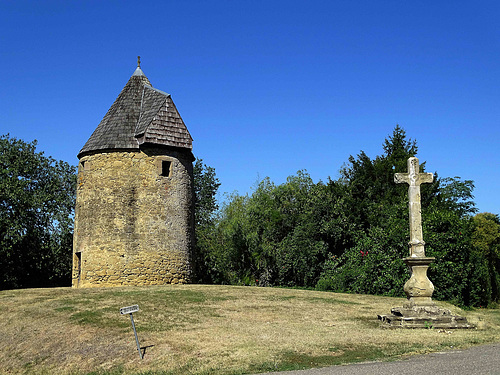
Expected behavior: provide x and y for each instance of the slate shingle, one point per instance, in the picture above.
(140, 115)
(160, 122)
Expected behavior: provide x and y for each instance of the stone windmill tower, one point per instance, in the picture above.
(134, 208)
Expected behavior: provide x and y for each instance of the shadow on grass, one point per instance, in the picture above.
(143, 349)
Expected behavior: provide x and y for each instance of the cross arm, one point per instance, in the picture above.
(401, 178)
(425, 178)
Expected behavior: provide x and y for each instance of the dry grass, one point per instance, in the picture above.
(199, 329)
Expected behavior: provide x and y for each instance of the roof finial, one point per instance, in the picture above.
(139, 62)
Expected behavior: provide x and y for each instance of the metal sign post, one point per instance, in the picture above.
(129, 310)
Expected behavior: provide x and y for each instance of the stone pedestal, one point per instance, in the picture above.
(419, 288)
(419, 311)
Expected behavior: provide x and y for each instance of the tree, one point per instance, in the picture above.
(486, 240)
(378, 208)
(206, 185)
(370, 184)
(288, 243)
(458, 273)
(276, 236)
(351, 234)
(37, 200)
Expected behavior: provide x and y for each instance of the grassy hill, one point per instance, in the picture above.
(201, 329)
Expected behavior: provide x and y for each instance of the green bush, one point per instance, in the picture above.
(351, 234)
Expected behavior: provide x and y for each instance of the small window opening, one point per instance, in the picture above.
(85, 165)
(165, 168)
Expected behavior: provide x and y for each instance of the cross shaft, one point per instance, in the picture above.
(414, 178)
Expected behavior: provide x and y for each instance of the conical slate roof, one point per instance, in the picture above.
(140, 115)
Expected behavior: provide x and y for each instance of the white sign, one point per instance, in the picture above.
(129, 309)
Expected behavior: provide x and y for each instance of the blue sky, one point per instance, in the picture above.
(266, 88)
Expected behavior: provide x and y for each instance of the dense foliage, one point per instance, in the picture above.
(486, 241)
(351, 234)
(206, 185)
(37, 200)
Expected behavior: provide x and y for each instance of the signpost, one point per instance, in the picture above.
(129, 310)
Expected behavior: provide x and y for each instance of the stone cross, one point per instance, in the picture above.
(414, 179)
(419, 311)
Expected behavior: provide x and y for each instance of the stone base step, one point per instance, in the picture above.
(423, 317)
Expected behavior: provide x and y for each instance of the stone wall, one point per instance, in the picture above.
(133, 219)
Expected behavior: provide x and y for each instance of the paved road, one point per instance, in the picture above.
(479, 360)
